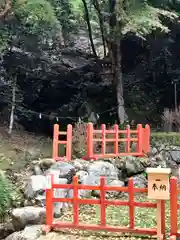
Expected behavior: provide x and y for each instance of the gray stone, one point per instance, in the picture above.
(63, 169)
(101, 168)
(153, 150)
(46, 163)
(28, 215)
(116, 183)
(80, 164)
(95, 171)
(83, 178)
(35, 185)
(135, 165)
(37, 170)
(140, 181)
(29, 233)
(6, 229)
(175, 154)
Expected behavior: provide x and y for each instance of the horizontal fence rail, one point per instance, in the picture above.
(103, 203)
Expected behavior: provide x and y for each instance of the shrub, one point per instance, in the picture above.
(170, 138)
(79, 140)
(5, 194)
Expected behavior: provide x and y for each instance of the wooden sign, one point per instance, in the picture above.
(158, 183)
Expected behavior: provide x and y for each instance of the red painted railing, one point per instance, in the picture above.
(174, 207)
(68, 142)
(142, 140)
(103, 203)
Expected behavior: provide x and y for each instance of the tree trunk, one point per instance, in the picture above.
(101, 24)
(119, 83)
(115, 54)
(11, 122)
(89, 27)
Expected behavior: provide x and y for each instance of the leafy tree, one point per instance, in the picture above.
(119, 18)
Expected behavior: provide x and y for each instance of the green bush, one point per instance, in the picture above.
(5, 194)
(171, 138)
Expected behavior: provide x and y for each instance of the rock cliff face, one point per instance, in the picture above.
(58, 85)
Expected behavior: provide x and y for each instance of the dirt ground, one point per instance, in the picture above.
(88, 236)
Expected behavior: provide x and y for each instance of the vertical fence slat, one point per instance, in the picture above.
(75, 201)
(163, 217)
(90, 140)
(69, 143)
(128, 136)
(102, 199)
(55, 152)
(103, 128)
(131, 203)
(49, 203)
(173, 206)
(116, 142)
(140, 138)
(146, 139)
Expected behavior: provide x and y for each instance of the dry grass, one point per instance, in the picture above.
(18, 150)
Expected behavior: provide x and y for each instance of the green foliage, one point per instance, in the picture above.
(165, 138)
(35, 13)
(6, 191)
(141, 18)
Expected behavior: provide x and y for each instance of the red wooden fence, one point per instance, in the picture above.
(103, 203)
(67, 142)
(142, 139)
(174, 207)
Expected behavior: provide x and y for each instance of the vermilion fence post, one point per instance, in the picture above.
(140, 138)
(146, 139)
(173, 206)
(55, 152)
(131, 203)
(75, 201)
(90, 140)
(49, 202)
(116, 143)
(128, 136)
(102, 199)
(103, 128)
(163, 217)
(69, 143)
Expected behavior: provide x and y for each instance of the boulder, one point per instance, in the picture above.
(102, 168)
(93, 174)
(6, 229)
(46, 163)
(133, 165)
(140, 181)
(63, 169)
(35, 185)
(21, 217)
(80, 164)
(29, 233)
(116, 183)
(37, 170)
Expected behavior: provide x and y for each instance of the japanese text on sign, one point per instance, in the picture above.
(162, 187)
